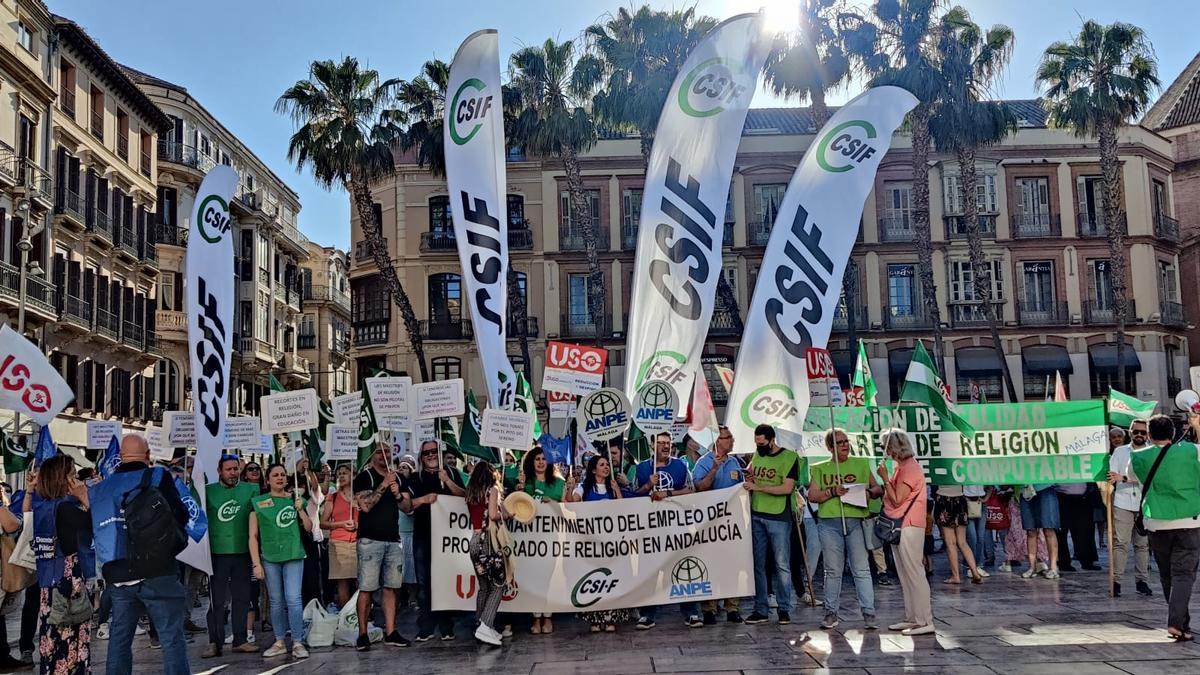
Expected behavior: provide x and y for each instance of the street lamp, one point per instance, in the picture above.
(24, 245)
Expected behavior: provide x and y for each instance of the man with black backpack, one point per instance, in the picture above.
(138, 520)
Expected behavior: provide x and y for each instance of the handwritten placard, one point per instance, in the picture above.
(160, 449)
(180, 426)
(439, 399)
(506, 428)
(289, 411)
(100, 432)
(243, 433)
(389, 395)
(347, 408)
(341, 442)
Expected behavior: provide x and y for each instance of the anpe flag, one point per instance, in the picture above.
(1123, 409)
(923, 385)
(46, 449)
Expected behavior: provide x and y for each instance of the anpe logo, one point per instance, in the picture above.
(228, 511)
(592, 587)
(848, 142)
(473, 108)
(689, 579)
(709, 87)
(769, 404)
(285, 517)
(654, 407)
(604, 414)
(214, 219)
(667, 366)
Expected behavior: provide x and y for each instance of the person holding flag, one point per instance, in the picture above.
(380, 498)
(229, 505)
(716, 470)
(423, 487)
(1126, 502)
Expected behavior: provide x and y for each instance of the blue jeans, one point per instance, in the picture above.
(836, 547)
(164, 599)
(979, 539)
(686, 609)
(777, 534)
(284, 581)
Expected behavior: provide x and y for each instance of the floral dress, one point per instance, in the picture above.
(1016, 548)
(64, 650)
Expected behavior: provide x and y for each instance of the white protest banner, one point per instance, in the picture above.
(394, 422)
(475, 177)
(347, 408)
(655, 407)
(342, 442)
(180, 427)
(28, 383)
(823, 387)
(606, 554)
(100, 432)
(509, 429)
(267, 447)
(801, 273)
(389, 395)
(289, 411)
(439, 399)
(679, 429)
(682, 223)
(573, 369)
(160, 449)
(243, 433)
(604, 414)
(561, 404)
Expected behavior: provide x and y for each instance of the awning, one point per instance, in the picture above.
(1104, 357)
(898, 362)
(1046, 359)
(978, 360)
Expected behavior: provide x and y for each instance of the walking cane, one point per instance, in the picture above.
(798, 519)
(1107, 489)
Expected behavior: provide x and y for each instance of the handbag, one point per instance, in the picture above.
(997, 513)
(68, 608)
(887, 529)
(487, 559)
(1139, 521)
(974, 507)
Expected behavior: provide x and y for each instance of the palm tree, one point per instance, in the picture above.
(552, 120)
(897, 44)
(971, 59)
(346, 128)
(1092, 86)
(424, 100)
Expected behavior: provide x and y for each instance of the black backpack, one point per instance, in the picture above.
(154, 536)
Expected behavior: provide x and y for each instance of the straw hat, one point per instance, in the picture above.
(521, 506)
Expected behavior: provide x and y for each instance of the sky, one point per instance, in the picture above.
(242, 54)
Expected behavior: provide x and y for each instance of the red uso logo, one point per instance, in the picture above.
(856, 397)
(575, 357)
(35, 396)
(820, 365)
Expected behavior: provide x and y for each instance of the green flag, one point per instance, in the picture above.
(524, 402)
(862, 377)
(16, 457)
(367, 429)
(1123, 409)
(923, 385)
(468, 437)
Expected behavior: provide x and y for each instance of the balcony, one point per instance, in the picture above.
(444, 240)
(369, 334)
(297, 365)
(123, 147)
(841, 317)
(1091, 225)
(70, 205)
(757, 233)
(724, 323)
(582, 326)
(339, 346)
(98, 123)
(66, 101)
(171, 324)
(446, 329)
(77, 312)
(362, 250)
(148, 252)
(306, 342)
(1171, 314)
(36, 180)
(144, 165)
(727, 234)
(185, 155)
(171, 235)
(896, 228)
(1045, 313)
(1105, 314)
(102, 226)
(1035, 225)
(526, 328)
(571, 239)
(133, 335)
(906, 318)
(973, 314)
(153, 348)
(956, 226)
(339, 298)
(520, 239)
(127, 241)
(9, 165)
(40, 295)
(107, 324)
(1166, 227)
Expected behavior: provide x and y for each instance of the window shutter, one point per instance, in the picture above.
(60, 177)
(564, 211)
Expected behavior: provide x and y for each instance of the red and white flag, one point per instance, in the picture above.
(1060, 391)
(701, 414)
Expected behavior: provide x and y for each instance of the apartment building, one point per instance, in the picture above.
(268, 250)
(324, 337)
(1039, 200)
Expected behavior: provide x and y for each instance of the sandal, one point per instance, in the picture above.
(595, 629)
(1179, 635)
(610, 628)
(547, 627)
(977, 579)
(536, 628)
(954, 582)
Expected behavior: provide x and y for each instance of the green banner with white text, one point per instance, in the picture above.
(1014, 443)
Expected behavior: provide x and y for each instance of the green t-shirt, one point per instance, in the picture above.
(278, 529)
(825, 475)
(771, 470)
(552, 492)
(229, 517)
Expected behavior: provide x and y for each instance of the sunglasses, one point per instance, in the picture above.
(429, 453)
(253, 468)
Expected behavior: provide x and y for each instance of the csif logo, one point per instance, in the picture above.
(228, 511)
(769, 404)
(710, 87)
(592, 587)
(667, 366)
(845, 146)
(214, 219)
(286, 516)
(468, 110)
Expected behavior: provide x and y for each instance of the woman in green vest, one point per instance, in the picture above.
(539, 479)
(278, 556)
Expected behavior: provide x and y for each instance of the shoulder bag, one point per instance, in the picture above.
(887, 529)
(1139, 521)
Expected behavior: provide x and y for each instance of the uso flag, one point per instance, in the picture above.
(28, 383)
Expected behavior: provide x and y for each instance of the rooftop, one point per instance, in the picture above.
(1179, 105)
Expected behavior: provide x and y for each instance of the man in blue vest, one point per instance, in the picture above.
(161, 596)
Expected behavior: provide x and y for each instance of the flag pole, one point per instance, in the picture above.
(798, 520)
(1108, 513)
(836, 464)
(437, 435)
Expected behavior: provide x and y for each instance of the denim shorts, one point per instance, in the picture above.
(380, 561)
(1041, 512)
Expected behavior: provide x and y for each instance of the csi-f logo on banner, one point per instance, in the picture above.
(468, 110)
(592, 587)
(214, 219)
(710, 87)
(682, 243)
(769, 404)
(846, 146)
(667, 366)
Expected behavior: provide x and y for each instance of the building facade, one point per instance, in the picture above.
(268, 252)
(324, 337)
(1039, 200)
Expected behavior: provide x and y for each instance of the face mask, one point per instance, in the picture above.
(763, 449)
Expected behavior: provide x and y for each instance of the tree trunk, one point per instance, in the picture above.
(980, 272)
(819, 110)
(519, 310)
(582, 214)
(373, 233)
(1114, 227)
(924, 238)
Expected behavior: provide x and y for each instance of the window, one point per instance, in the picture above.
(1158, 199)
(523, 292)
(896, 218)
(516, 213)
(1102, 381)
(902, 293)
(985, 193)
(166, 292)
(446, 368)
(578, 311)
(767, 198)
(570, 233)
(122, 135)
(25, 36)
(445, 298)
(263, 253)
(97, 110)
(631, 215)
(712, 377)
(166, 376)
(1033, 205)
(962, 281)
(27, 138)
(440, 217)
(370, 300)
(66, 88)
(261, 330)
(1037, 281)
(1100, 293)
(730, 213)
(1091, 211)
(987, 385)
(1167, 283)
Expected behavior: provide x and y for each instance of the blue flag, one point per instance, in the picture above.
(110, 459)
(45, 447)
(558, 450)
(197, 523)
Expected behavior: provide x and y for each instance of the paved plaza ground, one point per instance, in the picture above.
(1007, 625)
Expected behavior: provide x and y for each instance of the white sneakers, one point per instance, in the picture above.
(903, 625)
(277, 649)
(1005, 567)
(299, 650)
(927, 629)
(488, 635)
(102, 631)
